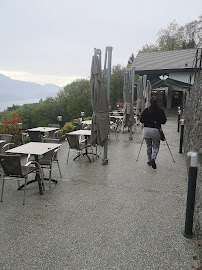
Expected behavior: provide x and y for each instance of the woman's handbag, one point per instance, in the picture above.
(162, 136)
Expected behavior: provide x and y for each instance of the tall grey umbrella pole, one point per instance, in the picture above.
(144, 81)
(109, 49)
(133, 81)
(132, 77)
(98, 53)
(109, 58)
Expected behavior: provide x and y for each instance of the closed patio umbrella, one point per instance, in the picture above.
(100, 118)
(140, 97)
(148, 94)
(128, 114)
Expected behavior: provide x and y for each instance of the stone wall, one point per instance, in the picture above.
(193, 142)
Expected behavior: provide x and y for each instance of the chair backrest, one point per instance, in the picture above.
(50, 140)
(49, 155)
(77, 124)
(35, 136)
(54, 125)
(6, 147)
(73, 141)
(54, 156)
(6, 137)
(77, 121)
(11, 165)
(87, 128)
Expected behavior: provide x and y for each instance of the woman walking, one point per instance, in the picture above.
(152, 118)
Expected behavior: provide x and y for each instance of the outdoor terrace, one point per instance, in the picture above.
(123, 215)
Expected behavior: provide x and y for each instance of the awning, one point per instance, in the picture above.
(157, 83)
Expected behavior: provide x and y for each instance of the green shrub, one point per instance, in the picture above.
(26, 140)
(88, 118)
(68, 127)
(60, 132)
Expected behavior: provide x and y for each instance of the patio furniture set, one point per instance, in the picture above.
(41, 153)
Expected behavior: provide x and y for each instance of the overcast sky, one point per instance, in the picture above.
(52, 41)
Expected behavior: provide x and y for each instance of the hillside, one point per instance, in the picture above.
(21, 92)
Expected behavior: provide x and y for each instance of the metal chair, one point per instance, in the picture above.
(6, 137)
(35, 136)
(77, 124)
(74, 144)
(6, 147)
(12, 168)
(50, 140)
(53, 134)
(24, 135)
(54, 125)
(46, 162)
(114, 127)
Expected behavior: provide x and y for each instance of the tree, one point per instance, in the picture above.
(170, 38)
(192, 34)
(45, 113)
(75, 98)
(149, 48)
(176, 37)
(131, 59)
(117, 80)
(25, 113)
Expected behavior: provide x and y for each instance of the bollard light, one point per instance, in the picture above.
(59, 118)
(179, 115)
(187, 232)
(82, 116)
(181, 135)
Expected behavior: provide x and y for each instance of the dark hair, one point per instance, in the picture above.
(154, 102)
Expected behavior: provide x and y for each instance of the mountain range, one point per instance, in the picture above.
(21, 92)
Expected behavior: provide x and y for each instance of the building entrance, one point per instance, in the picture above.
(160, 94)
(176, 99)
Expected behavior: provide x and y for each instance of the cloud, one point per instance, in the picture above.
(39, 78)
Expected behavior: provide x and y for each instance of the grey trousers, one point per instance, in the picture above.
(153, 145)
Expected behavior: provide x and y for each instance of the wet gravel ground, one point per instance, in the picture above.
(123, 215)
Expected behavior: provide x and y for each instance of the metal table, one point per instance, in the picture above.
(37, 149)
(85, 133)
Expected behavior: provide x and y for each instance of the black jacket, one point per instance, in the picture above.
(153, 117)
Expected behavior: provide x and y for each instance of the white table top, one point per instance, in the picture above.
(116, 116)
(2, 141)
(43, 129)
(34, 148)
(80, 132)
(87, 122)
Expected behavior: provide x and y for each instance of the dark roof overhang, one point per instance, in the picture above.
(161, 71)
(157, 83)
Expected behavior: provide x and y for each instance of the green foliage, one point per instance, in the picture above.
(88, 118)
(26, 113)
(75, 98)
(149, 48)
(117, 80)
(45, 113)
(131, 59)
(26, 140)
(176, 37)
(60, 133)
(68, 127)
(13, 108)
(170, 38)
